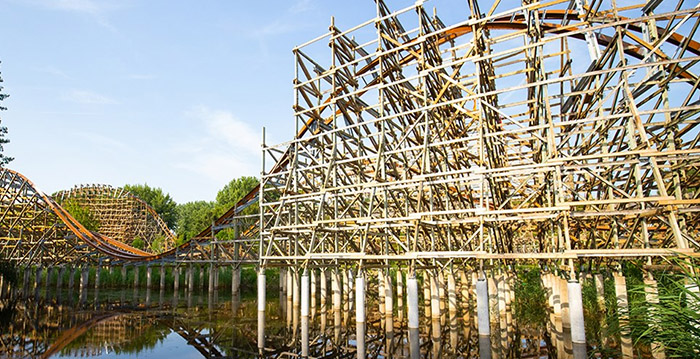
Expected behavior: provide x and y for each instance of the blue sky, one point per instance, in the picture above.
(171, 93)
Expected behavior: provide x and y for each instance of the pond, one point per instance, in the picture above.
(137, 323)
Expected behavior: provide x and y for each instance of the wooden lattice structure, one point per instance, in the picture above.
(550, 130)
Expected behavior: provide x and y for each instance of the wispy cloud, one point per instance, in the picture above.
(96, 9)
(88, 97)
(301, 6)
(54, 71)
(225, 148)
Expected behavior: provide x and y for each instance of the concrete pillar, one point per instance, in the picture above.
(202, 268)
(360, 314)
(346, 296)
(452, 307)
(324, 301)
(124, 275)
(84, 277)
(149, 274)
(136, 276)
(71, 279)
(261, 310)
(623, 315)
(381, 302)
(162, 277)
(434, 297)
(290, 295)
(59, 280)
(190, 278)
(176, 279)
(482, 305)
(442, 296)
(296, 303)
(651, 293)
(335, 287)
(399, 294)
(37, 277)
(212, 271)
(305, 315)
(426, 294)
(578, 332)
(313, 288)
(98, 274)
(235, 280)
(389, 311)
(413, 323)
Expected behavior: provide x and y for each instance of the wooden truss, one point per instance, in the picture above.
(550, 130)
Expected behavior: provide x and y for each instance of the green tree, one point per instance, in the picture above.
(4, 160)
(193, 217)
(138, 243)
(161, 202)
(233, 192)
(82, 215)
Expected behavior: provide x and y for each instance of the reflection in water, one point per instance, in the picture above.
(136, 323)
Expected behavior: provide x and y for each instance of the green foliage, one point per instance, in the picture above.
(4, 160)
(193, 217)
(675, 320)
(233, 192)
(530, 298)
(161, 202)
(138, 243)
(157, 244)
(82, 215)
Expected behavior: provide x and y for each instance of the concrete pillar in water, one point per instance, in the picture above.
(651, 293)
(201, 276)
(98, 273)
(324, 301)
(190, 278)
(149, 273)
(412, 304)
(452, 308)
(261, 310)
(235, 280)
(290, 294)
(59, 280)
(37, 277)
(162, 277)
(360, 314)
(482, 307)
(578, 332)
(123, 275)
(346, 296)
(84, 278)
(136, 276)
(389, 311)
(305, 315)
(399, 293)
(295, 300)
(623, 315)
(176, 279)
(313, 289)
(71, 279)
(212, 271)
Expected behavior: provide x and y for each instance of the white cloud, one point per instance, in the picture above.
(96, 9)
(88, 97)
(226, 148)
(301, 6)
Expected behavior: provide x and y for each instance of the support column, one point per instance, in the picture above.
(212, 269)
(412, 304)
(305, 315)
(235, 280)
(149, 273)
(37, 277)
(346, 296)
(136, 276)
(296, 303)
(360, 314)
(190, 277)
(98, 270)
(71, 279)
(59, 280)
(578, 332)
(389, 311)
(124, 275)
(381, 302)
(312, 284)
(84, 278)
(162, 277)
(335, 287)
(482, 305)
(623, 315)
(399, 293)
(290, 295)
(176, 279)
(202, 268)
(651, 293)
(324, 295)
(261, 310)
(452, 296)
